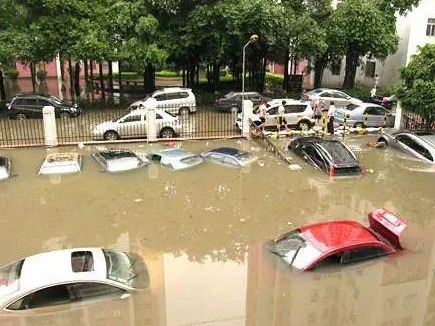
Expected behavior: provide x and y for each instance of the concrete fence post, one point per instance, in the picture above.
(398, 117)
(247, 107)
(50, 131)
(150, 108)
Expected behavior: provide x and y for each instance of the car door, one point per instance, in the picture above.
(340, 99)
(32, 108)
(172, 102)
(132, 125)
(375, 116)
(294, 113)
(271, 117)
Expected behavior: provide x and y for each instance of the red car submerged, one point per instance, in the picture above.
(340, 242)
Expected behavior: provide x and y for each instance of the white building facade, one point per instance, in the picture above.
(415, 29)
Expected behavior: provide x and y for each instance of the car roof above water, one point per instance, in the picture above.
(337, 151)
(58, 163)
(228, 151)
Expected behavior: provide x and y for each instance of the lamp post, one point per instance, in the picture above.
(253, 38)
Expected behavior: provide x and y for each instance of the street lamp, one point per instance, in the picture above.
(253, 38)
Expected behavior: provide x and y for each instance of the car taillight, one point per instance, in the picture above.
(331, 171)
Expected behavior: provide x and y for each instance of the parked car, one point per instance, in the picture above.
(119, 160)
(174, 100)
(232, 101)
(327, 95)
(388, 102)
(5, 168)
(134, 125)
(70, 276)
(418, 144)
(176, 158)
(24, 106)
(377, 115)
(330, 156)
(340, 242)
(297, 114)
(229, 156)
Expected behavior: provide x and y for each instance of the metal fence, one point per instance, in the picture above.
(119, 124)
(413, 121)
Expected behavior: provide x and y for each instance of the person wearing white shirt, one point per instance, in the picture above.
(331, 112)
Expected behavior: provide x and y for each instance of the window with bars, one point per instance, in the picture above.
(370, 69)
(430, 28)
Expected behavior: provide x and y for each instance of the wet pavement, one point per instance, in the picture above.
(200, 231)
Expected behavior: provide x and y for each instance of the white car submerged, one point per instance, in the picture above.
(61, 163)
(176, 158)
(69, 276)
(119, 160)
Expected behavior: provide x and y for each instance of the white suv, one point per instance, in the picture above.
(297, 113)
(172, 99)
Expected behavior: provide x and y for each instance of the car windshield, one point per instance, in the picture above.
(120, 267)
(296, 250)
(10, 278)
(315, 91)
(351, 107)
(56, 100)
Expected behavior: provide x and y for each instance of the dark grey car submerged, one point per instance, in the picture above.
(330, 156)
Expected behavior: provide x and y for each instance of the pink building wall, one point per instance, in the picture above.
(50, 67)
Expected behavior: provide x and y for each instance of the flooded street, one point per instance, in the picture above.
(200, 231)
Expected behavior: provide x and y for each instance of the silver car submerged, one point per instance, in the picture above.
(176, 158)
(364, 114)
(229, 156)
(5, 168)
(419, 144)
(118, 160)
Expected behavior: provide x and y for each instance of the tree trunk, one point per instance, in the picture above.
(119, 76)
(2, 88)
(149, 79)
(71, 78)
(110, 76)
(352, 57)
(86, 68)
(285, 83)
(216, 77)
(91, 73)
(319, 67)
(263, 75)
(32, 76)
(184, 77)
(197, 75)
(103, 93)
(77, 79)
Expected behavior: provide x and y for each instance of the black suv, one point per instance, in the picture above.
(24, 106)
(232, 102)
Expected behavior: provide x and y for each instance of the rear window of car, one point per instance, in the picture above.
(352, 170)
(24, 101)
(338, 152)
(351, 107)
(10, 277)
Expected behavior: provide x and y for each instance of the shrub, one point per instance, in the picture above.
(274, 80)
(12, 74)
(167, 73)
(41, 74)
(362, 93)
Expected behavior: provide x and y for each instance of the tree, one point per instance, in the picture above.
(418, 91)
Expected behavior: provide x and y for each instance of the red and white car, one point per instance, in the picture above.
(340, 242)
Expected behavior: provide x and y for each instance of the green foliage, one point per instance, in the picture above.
(274, 80)
(418, 91)
(167, 73)
(362, 93)
(12, 74)
(41, 74)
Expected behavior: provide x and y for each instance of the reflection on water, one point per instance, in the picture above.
(198, 232)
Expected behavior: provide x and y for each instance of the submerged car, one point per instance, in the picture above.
(330, 156)
(176, 158)
(118, 160)
(420, 144)
(70, 276)
(5, 167)
(364, 114)
(232, 101)
(134, 125)
(60, 163)
(229, 156)
(340, 242)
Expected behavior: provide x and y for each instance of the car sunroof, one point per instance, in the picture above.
(82, 261)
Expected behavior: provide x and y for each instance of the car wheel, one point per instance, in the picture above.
(111, 135)
(64, 115)
(382, 140)
(359, 125)
(303, 125)
(184, 111)
(21, 116)
(234, 110)
(167, 132)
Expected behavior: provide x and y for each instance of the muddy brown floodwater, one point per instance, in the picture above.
(199, 232)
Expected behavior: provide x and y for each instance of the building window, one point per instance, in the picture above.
(336, 69)
(370, 68)
(430, 28)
